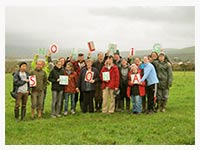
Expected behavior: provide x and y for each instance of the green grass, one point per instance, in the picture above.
(174, 127)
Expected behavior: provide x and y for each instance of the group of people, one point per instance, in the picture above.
(108, 84)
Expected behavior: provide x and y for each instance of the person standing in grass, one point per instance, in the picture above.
(165, 77)
(135, 90)
(37, 92)
(86, 83)
(56, 88)
(109, 76)
(21, 85)
(70, 88)
(151, 77)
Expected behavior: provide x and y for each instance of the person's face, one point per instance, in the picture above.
(154, 56)
(39, 65)
(23, 67)
(62, 60)
(68, 67)
(161, 58)
(137, 61)
(134, 70)
(116, 57)
(89, 64)
(59, 64)
(80, 58)
(100, 57)
(146, 59)
(124, 62)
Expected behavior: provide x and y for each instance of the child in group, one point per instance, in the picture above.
(70, 89)
(135, 90)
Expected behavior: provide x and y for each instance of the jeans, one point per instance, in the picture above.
(137, 103)
(56, 102)
(67, 95)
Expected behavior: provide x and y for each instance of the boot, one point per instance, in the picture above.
(164, 105)
(23, 113)
(39, 113)
(159, 106)
(32, 113)
(16, 114)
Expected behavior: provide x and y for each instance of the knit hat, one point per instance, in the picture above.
(117, 52)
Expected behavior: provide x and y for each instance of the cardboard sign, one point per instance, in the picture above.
(74, 53)
(156, 48)
(132, 52)
(63, 80)
(41, 51)
(106, 76)
(89, 76)
(54, 48)
(91, 46)
(135, 78)
(112, 47)
(32, 81)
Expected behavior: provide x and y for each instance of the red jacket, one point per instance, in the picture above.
(77, 68)
(114, 77)
(72, 82)
(141, 87)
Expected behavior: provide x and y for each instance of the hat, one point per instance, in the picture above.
(80, 54)
(162, 53)
(117, 52)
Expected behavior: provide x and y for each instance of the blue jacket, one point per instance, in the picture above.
(149, 74)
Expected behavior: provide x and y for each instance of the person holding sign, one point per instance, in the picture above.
(135, 90)
(57, 88)
(109, 76)
(22, 89)
(37, 93)
(86, 83)
(70, 88)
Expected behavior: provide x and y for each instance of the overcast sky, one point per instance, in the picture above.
(73, 26)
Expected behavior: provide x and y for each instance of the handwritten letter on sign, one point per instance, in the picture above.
(89, 76)
(106, 76)
(32, 81)
(63, 80)
(135, 78)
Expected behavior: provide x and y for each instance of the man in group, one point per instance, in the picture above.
(152, 80)
(37, 93)
(21, 86)
(110, 83)
(98, 92)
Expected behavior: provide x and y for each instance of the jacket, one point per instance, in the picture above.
(84, 85)
(114, 77)
(41, 80)
(54, 76)
(72, 82)
(149, 74)
(164, 73)
(123, 78)
(142, 91)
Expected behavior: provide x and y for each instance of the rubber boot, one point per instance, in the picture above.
(23, 113)
(32, 113)
(39, 113)
(16, 111)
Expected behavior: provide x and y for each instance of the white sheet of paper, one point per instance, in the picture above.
(63, 80)
(106, 76)
(89, 76)
(135, 78)
(32, 81)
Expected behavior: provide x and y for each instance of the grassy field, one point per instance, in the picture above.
(174, 127)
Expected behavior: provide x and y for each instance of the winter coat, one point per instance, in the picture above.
(164, 73)
(41, 80)
(123, 79)
(84, 85)
(142, 91)
(77, 68)
(72, 82)
(114, 77)
(54, 76)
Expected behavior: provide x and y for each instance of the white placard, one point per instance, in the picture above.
(89, 76)
(112, 47)
(106, 76)
(135, 78)
(32, 81)
(63, 80)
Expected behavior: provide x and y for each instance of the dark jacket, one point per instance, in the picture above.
(123, 78)
(54, 76)
(84, 85)
(17, 82)
(98, 65)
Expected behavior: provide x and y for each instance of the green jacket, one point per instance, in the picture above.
(41, 79)
(164, 74)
